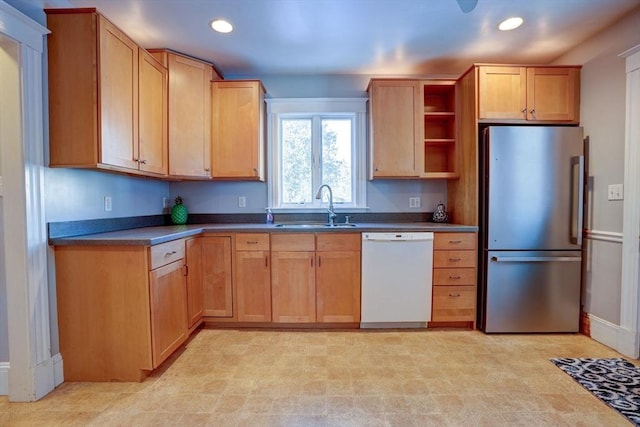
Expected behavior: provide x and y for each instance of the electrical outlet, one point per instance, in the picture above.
(615, 192)
(242, 202)
(165, 202)
(107, 203)
(414, 202)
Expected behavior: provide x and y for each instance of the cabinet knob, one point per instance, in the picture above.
(136, 160)
(144, 162)
(524, 110)
(207, 169)
(533, 111)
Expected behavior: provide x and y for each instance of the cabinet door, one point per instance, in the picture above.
(338, 286)
(217, 286)
(553, 94)
(236, 139)
(253, 286)
(195, 296)
(167, 292)
(189, 117)
(118, 82)
(293, 287)
(152, 115)
(396, 128)
(502, 93)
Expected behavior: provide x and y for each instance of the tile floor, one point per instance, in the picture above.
(335, 378)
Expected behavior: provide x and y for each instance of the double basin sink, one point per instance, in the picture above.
(314, 225)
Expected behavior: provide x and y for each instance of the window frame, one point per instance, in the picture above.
(316, 109)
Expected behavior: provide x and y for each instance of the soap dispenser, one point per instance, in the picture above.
(269, 216)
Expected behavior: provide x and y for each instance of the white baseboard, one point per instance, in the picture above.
(622, 340)
(58, 370)
(4, 378)
(604, 331)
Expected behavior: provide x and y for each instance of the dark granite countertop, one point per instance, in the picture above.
(150, 236)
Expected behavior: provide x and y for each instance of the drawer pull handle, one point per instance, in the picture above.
(454, 295)
(252, 242)
(266, 261)
(454, 277)
(455, 242)
(454, 259)
(168, 254)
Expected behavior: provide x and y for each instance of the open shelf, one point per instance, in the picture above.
(440, 159)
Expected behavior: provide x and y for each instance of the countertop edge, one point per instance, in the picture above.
(150, 236)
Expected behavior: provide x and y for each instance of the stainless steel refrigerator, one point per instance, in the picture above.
(531, 213)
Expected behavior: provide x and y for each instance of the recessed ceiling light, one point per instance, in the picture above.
(510, 23)
(221, 26)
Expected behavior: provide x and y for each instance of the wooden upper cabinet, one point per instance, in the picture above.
(237, 131)
(396, 131)
(118, 81)
(502, 92)
(529, 94)
(95, 87)
(189, 114)
(553, 94)
(152, 115)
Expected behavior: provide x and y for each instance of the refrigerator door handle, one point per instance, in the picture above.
(536, 259)
(577, 204)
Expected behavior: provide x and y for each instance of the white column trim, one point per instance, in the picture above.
(31, 367)
(630, 293)
(604, 236)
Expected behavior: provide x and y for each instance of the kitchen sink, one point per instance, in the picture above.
(343, 225)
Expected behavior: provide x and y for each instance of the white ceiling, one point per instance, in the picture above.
(374, 37)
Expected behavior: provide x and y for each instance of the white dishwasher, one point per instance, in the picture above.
(396, 279)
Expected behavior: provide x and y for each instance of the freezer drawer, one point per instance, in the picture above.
(532, 291)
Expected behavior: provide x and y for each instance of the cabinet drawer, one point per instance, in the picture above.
(252, 242)
(338, 241)
(165, 253)
(293, 242)
(454, 276)
(454, 241)
(454, 259)
(454, 304)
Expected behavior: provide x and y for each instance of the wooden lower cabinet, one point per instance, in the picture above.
(216, 276)
(293, 286)
(122, 310)
(253, 277)
(195, 295)
(338, 278)
(169, 323)
(315, 278)
(454, 278)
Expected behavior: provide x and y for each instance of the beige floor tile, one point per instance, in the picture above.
(340, 378)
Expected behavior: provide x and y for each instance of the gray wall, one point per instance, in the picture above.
(4, 338)
(602, 111)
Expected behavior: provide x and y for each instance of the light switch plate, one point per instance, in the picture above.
(615, 192)
(414, 202)
(107, 203)
(242, 202)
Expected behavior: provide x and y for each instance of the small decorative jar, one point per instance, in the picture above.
(440, 214)
(179, 212)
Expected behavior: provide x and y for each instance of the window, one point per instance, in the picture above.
(315, 142)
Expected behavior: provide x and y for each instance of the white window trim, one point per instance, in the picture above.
(357, 106)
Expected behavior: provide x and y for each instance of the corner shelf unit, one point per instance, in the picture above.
(440, 156)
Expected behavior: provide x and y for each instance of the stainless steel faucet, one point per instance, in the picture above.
(332, 214)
